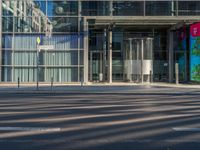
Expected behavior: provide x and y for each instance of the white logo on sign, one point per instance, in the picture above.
(195, 31)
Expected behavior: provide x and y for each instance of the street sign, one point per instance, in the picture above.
(46, 47)
(38, 40)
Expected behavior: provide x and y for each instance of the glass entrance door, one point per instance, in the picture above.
(97, 66)
(138, 60)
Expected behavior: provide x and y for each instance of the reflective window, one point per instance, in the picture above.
(128, 8)
(62, 8)
(95, 8)
(64, 24)
(7, 8)
(7, 24)
(188, 8)
(37, 7)
(158, 8)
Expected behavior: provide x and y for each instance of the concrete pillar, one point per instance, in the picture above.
(0, 40)
(110, 57)
(85, 51)
(171, 56)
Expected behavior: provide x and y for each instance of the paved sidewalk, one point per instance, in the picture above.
(100, 88)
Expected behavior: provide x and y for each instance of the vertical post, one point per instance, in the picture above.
(177, 8)
(79, 37)
(15, 21)
(142, 55)
(138, 59)
(91, 66)
(104, 53)
(52, 77)
(85, 50)
(54, 64)
(131, 59)
(18, 82)
(171, 56)
(150, 76)
(172, 8)
(151, 71)
(37, 66)
(0, 39)
(101, 66)
(144, 7)
(111, 8)
(51, 83)
(177, 73)
(110, 57)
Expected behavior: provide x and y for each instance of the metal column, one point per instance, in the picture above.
(131, 59)
(104, 54)
(85, 50)
(171, 56)
(0, 40)
(91, 59)
(142, 58)
(80, 76)
(110, 57)
(111, 8)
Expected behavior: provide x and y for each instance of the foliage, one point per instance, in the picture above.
(196, 72)
(196, 47)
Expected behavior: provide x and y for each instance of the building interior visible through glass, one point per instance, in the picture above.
(96, 41)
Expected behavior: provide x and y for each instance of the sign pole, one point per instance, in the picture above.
(37, 67)
(177, 73)
(38, 49)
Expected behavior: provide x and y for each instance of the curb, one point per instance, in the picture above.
(104, 92)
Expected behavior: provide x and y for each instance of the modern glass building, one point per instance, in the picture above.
(97, 41)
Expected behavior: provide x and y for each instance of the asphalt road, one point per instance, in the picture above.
(100, 121)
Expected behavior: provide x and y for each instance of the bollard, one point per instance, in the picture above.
(18, 83)
(150, 77)
(176, 71)
(81, 82)
(37, 85)
(51, 83)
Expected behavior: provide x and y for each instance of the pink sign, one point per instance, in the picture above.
(195, 30)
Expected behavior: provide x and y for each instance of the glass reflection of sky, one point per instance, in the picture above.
(50, 9)
(41, 5)
(45, 7)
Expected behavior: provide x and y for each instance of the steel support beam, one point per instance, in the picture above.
(143, 20)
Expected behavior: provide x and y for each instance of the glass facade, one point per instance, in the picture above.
(57, 23)
(62, 23)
